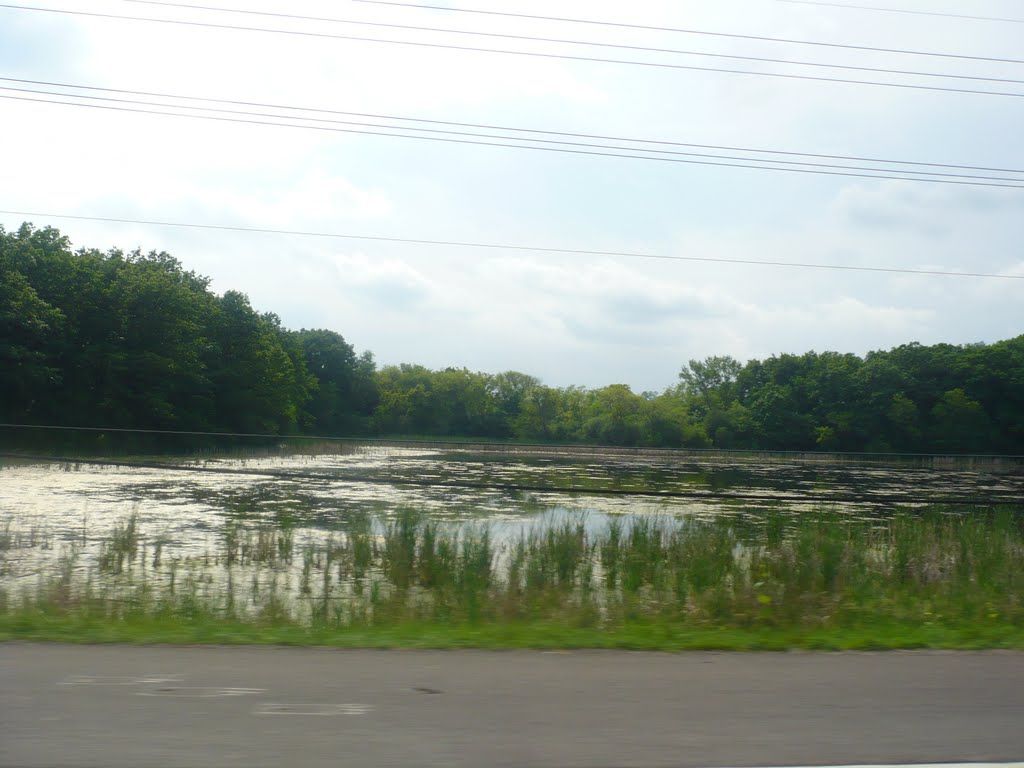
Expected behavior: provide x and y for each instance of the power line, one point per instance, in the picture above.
(511, 129)
(532, 54)
(563, 41)
(563, 150)
(875, 8)
(883, 174)
(874, 173)
(792, 455)
(870, 498)
(500, 247)
(653, 28)
(475, 142)
(483, 445)
(940, 176)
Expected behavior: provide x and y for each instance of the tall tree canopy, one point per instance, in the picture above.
(134, 340)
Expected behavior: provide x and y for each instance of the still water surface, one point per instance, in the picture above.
(44, 507)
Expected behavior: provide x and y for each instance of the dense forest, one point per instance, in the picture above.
(133, 340)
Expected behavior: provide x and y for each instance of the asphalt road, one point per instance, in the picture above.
(217, 707)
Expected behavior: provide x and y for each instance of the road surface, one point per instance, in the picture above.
(172, 707)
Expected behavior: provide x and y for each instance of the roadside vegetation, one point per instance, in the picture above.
(821, 580)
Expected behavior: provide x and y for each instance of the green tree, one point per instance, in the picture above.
(960, 424)
(615, 416)
(538, 416)
(153, 374)
(464, 404)
(511, 389)
(28, 327)
(712, 381)
(256, 384)
(731, 427)
(780, 424)
(406, 403)
(994, 376)
(345, 392)
(668, 423)
(904, 423)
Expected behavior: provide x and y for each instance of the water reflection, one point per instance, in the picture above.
(188, 514)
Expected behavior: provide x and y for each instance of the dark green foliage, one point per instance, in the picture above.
(135, 341)
(258, 386)
(28, 324)
(941, 399)
(345, 393)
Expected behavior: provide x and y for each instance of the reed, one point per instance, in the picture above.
(810, 573)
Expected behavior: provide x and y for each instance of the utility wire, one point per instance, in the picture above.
(652, 28)
(561, 142)
(882, 173)
(533, 54)
(876, 8)
(869, 498)
(563, 41)
(501, 247)
(511, 129)
(563, 150)
(484, 445)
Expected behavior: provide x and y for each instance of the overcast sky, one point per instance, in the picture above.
(569, 319)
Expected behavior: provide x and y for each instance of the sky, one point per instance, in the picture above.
(580, 319)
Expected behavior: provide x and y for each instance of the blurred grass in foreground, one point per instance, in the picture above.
(929, 579)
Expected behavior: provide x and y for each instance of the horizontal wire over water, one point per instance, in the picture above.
(566, 447)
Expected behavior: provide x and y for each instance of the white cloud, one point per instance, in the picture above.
(928, 210)
(316, 196)
(566, 318)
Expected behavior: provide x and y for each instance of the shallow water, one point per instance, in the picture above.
(45, 508)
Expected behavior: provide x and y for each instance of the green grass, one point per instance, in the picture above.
(535, 635)
(821, 581)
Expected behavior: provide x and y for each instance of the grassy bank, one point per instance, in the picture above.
(527, 635)
(929, 579)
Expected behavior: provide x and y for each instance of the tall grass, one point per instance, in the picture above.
(121, 546)
(811, 571)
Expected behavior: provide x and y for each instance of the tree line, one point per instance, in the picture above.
(135, 341)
